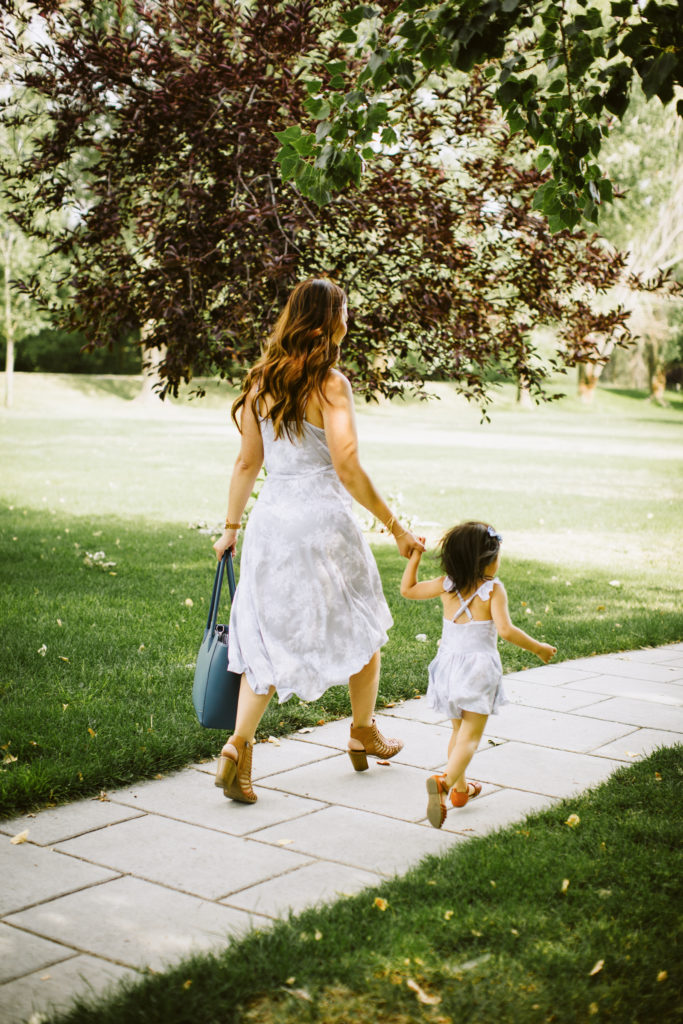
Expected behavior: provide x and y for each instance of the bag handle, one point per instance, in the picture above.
(224, 564)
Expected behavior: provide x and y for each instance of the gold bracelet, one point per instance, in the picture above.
(232, 526)
(390, 525)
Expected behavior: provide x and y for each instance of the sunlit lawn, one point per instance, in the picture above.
(588, 501)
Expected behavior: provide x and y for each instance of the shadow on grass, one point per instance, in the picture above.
(99, 662)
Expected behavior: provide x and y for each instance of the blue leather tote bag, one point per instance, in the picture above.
(215, 690)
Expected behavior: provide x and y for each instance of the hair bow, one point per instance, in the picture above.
(492, 533)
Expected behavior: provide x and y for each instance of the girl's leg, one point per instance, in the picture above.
(455, 724)
(467, 740)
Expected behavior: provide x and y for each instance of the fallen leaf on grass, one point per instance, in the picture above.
(615, 583)
(422, 996)
(92, 732)
(9, 759)
(658, 777)
(422, 637)
(290, 981)
(380, 903)
(565, 885)
(19, 838)
(103, 798)
(62, 658)
(573, 820)
(42, 651)
(187, 984)
(300, 993)
(597, 967)
(307, 729)
(662, 976)
(448, 914)
(317, 935)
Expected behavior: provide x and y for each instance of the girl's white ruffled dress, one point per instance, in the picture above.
(466, 674)
(309, 610)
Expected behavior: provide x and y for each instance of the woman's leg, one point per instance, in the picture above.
(455, 724)
(464, 748)
(363, 688)
(250, 709)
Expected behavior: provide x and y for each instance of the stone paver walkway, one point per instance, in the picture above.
(104, 889)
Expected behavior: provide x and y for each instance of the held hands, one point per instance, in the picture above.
(545, 652)
(410, 546)
(228, 541)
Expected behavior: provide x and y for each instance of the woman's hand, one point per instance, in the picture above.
(228, 541)
(407, 543)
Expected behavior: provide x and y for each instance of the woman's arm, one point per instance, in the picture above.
(508, 631)
(342, 438)
(245, 471)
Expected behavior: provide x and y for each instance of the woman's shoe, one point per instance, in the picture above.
(437, 788)
(236, 780)
(373, 743)
(460, 799)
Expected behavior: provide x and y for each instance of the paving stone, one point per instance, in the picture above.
(493, 811)
(318, 882)
(551, 675)
(271, 757)
(614, 665)
(137, 923)
(654, 655)
(192, 797)
(541, 770)
(58, 823)
(54, 990)
(416, 709)
(549, 698)
(21, 952)
(195, 860)
(674, 662)
(368, 841)
(32, 874)
(640, 712)
(425, 745)
(395, 790)
(640, 689)
(556, 729)
(638, 744)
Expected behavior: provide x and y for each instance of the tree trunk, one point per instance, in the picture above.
(150, 373)
(9, 323)
(589, 375)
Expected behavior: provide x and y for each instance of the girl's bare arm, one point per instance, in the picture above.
(410, 587)
(508, 631)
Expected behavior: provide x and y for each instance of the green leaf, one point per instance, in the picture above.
(290, 135)
(659, 79)
(347, 36)
(336, 67)
(543, 159)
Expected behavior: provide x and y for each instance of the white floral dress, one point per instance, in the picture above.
(466, 674)
(309, 610)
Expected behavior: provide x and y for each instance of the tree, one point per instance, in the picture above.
(160, 141)
(561, 70)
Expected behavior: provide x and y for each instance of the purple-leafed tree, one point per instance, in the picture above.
(157, 136)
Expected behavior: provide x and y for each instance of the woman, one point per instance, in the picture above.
(309, 612)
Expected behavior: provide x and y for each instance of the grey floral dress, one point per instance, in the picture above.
(309, 610)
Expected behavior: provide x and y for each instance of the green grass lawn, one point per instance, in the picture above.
(543, 921)
(98, 663)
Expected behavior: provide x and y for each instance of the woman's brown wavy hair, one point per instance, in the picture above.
(298, 355)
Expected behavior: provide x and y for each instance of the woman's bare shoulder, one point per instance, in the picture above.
(336, 386)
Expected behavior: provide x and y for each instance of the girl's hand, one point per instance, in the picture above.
(408, 544)
(228, 541)
(546, 652)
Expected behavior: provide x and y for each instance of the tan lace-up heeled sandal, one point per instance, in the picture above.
(373, 743)
(234, 776)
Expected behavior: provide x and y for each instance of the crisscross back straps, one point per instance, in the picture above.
(464, 607)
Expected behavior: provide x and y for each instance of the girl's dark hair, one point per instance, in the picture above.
(466, 550)
(298, 356)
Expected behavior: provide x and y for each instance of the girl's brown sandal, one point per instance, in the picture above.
(460, 799)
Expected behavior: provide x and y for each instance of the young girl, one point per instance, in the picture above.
(465, 677)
